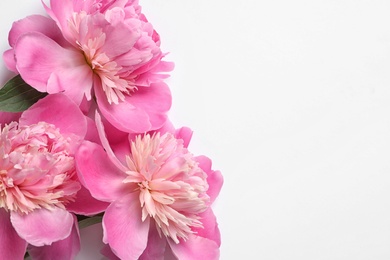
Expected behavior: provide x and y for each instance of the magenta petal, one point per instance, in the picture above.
(210, 228)
(124, 116)
(11, 245)
(59, 110)
(155, 248)
(98, 174)
(43, 226)
(8, 117)
(195, 248)
(38, 57)
(123, 228)
(85, 204)
(65, 249)
(214, 178)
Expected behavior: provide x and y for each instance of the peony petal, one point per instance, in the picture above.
(92, 133)
(36, 23)
(214, 178)
(8, 117)
(114, 45)
(43, 226)
(59, 110)
(75, 82)
(185, 134)
(9, 60)
(195, 248)
(11, 245)
(64, 249)
(85, 204)
(210, 228)
(98, 174)
(60, 11)
(38, 57)
(124, 116)
(155, 100)
(155, 248)
(124, 229)
(106, 144)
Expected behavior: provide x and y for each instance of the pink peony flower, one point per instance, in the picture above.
(38, 181)
(160, 196)
(102, 49)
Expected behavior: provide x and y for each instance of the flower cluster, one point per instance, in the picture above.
(85, 135)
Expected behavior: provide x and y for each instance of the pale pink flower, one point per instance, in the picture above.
(38, 180)
(102, 49)
(160, 195)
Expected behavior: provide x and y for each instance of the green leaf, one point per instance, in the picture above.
(90, 221)
(17, 95)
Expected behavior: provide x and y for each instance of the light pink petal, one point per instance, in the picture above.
(60, 11)
(43, 226)
(9, 60)
(154, 75)
(114, 44)
(195, 248)
(214, 178)
(156, 246)
(185, 134)
(210, 228)
(75, 82)
(36, 23)
(155, 100)
(64, 249)
(38, 57)
(123, 228)
(11, 245)
(8, 117)
(168, 127)
(85, 204)
(124, 116)
(98, 174)
(59, 110)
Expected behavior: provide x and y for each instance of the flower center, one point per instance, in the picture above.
(36, 169)
(91, 39)
(171, 185)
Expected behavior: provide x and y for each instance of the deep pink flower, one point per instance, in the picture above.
(160, 195)
(38, 180)
(103, 49)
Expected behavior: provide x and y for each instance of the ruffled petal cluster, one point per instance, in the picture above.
(159, 194)
(103, 50)
(100, 143)
(37, 168)
(39, 185)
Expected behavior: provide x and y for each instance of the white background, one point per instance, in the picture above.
(291, 100)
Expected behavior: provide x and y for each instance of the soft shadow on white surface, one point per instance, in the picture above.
(291, 101)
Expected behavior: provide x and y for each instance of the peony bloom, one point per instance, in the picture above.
(95, 49)
(38, 181)
(160, 196)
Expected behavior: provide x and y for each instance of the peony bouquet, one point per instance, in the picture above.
(85, 139)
